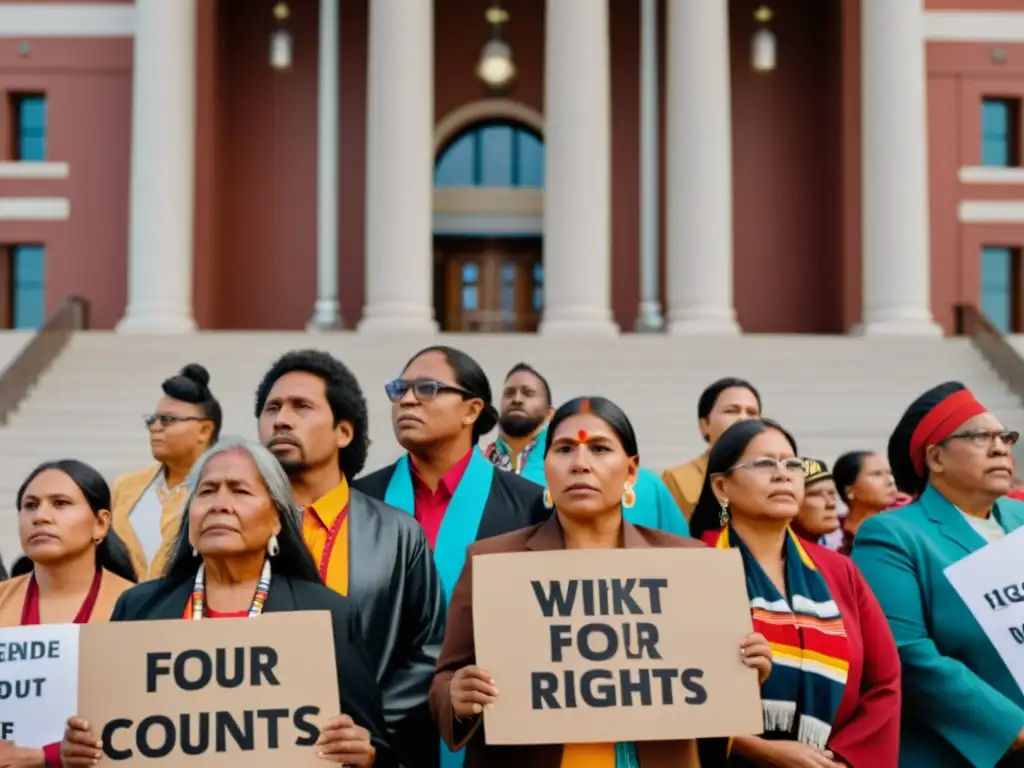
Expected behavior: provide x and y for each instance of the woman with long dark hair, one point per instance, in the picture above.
(834, 696)
(240, 553)
(75, 567)
(590, 465)
(865, 483)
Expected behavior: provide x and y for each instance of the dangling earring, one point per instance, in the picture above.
(195, 552)
(548, 503)
(723, 515)
(273, 548)
(628, 497)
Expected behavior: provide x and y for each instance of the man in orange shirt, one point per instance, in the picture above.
(312, 416)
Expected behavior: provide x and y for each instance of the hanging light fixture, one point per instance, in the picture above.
(496, 69)
(763, 45)
(281, 39)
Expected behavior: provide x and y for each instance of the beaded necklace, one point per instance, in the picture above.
(196, 604)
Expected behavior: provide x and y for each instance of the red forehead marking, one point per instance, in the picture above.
(582, 435)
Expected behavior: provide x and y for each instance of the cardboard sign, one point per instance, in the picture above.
(38, 682)
(984, 580)
(614, 645)
(210, 694)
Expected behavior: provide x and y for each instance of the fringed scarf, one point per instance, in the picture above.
(809, 647)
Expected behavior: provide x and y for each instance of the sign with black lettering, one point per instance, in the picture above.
(38, 682)
(991, 583)
(614, 645)
(210, 694)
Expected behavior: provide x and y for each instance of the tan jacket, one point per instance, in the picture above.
(12, 598)
(127, 491)
(685, 483)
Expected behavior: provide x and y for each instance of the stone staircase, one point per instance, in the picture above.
(834, 393)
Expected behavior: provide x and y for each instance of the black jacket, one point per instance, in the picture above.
(513, 503)
(357, 689)
(393, 581)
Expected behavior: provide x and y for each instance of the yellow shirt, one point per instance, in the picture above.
(588, 756)
(317, 524)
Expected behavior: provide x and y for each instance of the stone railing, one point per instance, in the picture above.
(21, 374)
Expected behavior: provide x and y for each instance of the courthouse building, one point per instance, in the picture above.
(702, 166)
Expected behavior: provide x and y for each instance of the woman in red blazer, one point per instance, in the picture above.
(833, 697)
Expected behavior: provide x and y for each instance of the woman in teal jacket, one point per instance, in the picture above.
(961, 706)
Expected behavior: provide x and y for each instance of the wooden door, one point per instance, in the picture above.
(489, 285)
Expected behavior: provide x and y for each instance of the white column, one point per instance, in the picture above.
(649, 313)
(896, 290)
(400, 168)
(327, 310)
(577, 192)
(699, 167)
(163, 160)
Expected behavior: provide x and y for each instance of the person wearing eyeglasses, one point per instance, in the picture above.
(312, 416)
(833, 698)
(963, 708)
(147, 504)
(440, 408)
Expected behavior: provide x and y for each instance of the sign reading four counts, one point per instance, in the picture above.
(614, 645)
(211, 693)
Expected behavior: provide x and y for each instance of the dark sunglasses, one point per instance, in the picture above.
(422, 389)
(167, 419)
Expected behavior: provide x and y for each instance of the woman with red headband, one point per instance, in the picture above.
(961, 707)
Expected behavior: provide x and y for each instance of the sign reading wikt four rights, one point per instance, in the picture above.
(614, 645)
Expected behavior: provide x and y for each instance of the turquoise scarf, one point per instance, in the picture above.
(458, 530)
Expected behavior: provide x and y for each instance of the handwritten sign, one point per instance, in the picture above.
(207, 694)
(614, 645)
(987, 583)
(38, 682)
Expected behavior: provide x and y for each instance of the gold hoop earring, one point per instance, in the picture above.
(723, 515)
(628, 497)
(548, 502)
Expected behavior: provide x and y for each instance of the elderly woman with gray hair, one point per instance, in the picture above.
(240, 553)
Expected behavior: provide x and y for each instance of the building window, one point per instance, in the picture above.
(29, 112)
(28, 286)
(999, 292)
(1000, 132)
(492, 155)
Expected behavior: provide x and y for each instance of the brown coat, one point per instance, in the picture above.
(127, 491)
(458, 651)
(12, 598)
(685, 482)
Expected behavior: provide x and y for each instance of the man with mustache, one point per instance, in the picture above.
(312, 416)
(526, 408)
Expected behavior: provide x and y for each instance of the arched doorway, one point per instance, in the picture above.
(488, 223)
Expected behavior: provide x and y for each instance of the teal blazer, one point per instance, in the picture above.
(961, 706)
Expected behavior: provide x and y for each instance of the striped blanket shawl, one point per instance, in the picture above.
(809, 646)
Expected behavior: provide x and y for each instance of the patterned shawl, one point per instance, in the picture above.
(809, 645)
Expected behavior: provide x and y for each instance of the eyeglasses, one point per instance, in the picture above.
(764, 465)
(167, 419)
(423, 389)
(986, 438)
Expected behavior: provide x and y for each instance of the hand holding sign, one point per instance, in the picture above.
(79, 747)
(757, 654)
(342, 741)
(472, 690)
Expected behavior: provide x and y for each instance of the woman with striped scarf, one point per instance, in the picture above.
(833, 697)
